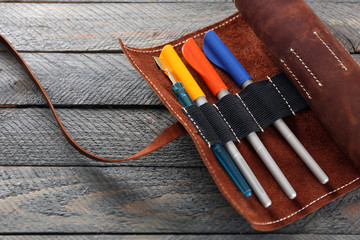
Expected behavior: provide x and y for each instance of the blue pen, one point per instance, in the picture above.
(216, 51)
(221, 56)
(217, 148)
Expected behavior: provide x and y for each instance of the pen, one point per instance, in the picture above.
(218, 53)
(195, 57)
(186, 101)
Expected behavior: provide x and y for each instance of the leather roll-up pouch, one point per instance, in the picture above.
(290, 39)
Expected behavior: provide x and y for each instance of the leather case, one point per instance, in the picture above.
(291, 39)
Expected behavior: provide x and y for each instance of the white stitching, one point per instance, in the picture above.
(227, 123)
(308, 205)
(262, 130)
(348, 52)
(306, 67)
(287, 103)
(341, 44)
(216, 178)
(157, 90)
(221, 186)
(197, 127)
(180, 43)
(142, 51)
(331, 51)
(297, 80)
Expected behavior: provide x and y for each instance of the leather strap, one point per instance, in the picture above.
(171, 133)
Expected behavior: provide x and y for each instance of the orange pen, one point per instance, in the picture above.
(191, 51)
(196, 58)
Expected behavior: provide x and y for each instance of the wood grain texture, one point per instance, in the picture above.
(343, 19)
(46, 187)
(333, 1)
(31, 137)
(139, 199)
(76, 80)
(96, 27)
(152, 1)
(264, 236)
(120, 1)
(110, 200)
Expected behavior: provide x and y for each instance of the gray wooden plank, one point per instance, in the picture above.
(264, 236)
(152, 1)
(30, 136)
(333, 1)
(139, 200)
(76, 79)
(118, 1)
(356, 57)
(96, 27)
(343, 19)
(124, 199)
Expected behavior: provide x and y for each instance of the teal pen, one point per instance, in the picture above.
(217, 148)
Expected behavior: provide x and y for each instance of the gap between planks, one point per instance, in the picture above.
(178, 236)
(96, 27)
(84, 80)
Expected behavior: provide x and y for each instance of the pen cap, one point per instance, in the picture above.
(173, 63)
(221, 56)
(196, 58)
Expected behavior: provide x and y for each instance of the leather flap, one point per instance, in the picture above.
(319, 66)
(254, 56)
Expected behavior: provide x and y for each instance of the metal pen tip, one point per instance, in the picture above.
(158, 63)
(160, 66)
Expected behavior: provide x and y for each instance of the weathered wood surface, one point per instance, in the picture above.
(30, 136)
(76, 79)
(117, 199)
(187, 237)
(46, 187)
(96, 27)
(128, 1)
(343, 19)
(139, 199)
(152, 1)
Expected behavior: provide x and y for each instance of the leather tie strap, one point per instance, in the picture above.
(171, 133)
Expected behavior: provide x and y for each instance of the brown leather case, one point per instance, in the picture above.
(270, 37)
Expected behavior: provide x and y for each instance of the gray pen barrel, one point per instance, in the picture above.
(244, 167)
(271, 165)
(248, 174)
(300, 150)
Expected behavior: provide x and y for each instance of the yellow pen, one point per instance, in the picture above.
(171, 62)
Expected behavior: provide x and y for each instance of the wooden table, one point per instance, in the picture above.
(47, 188)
